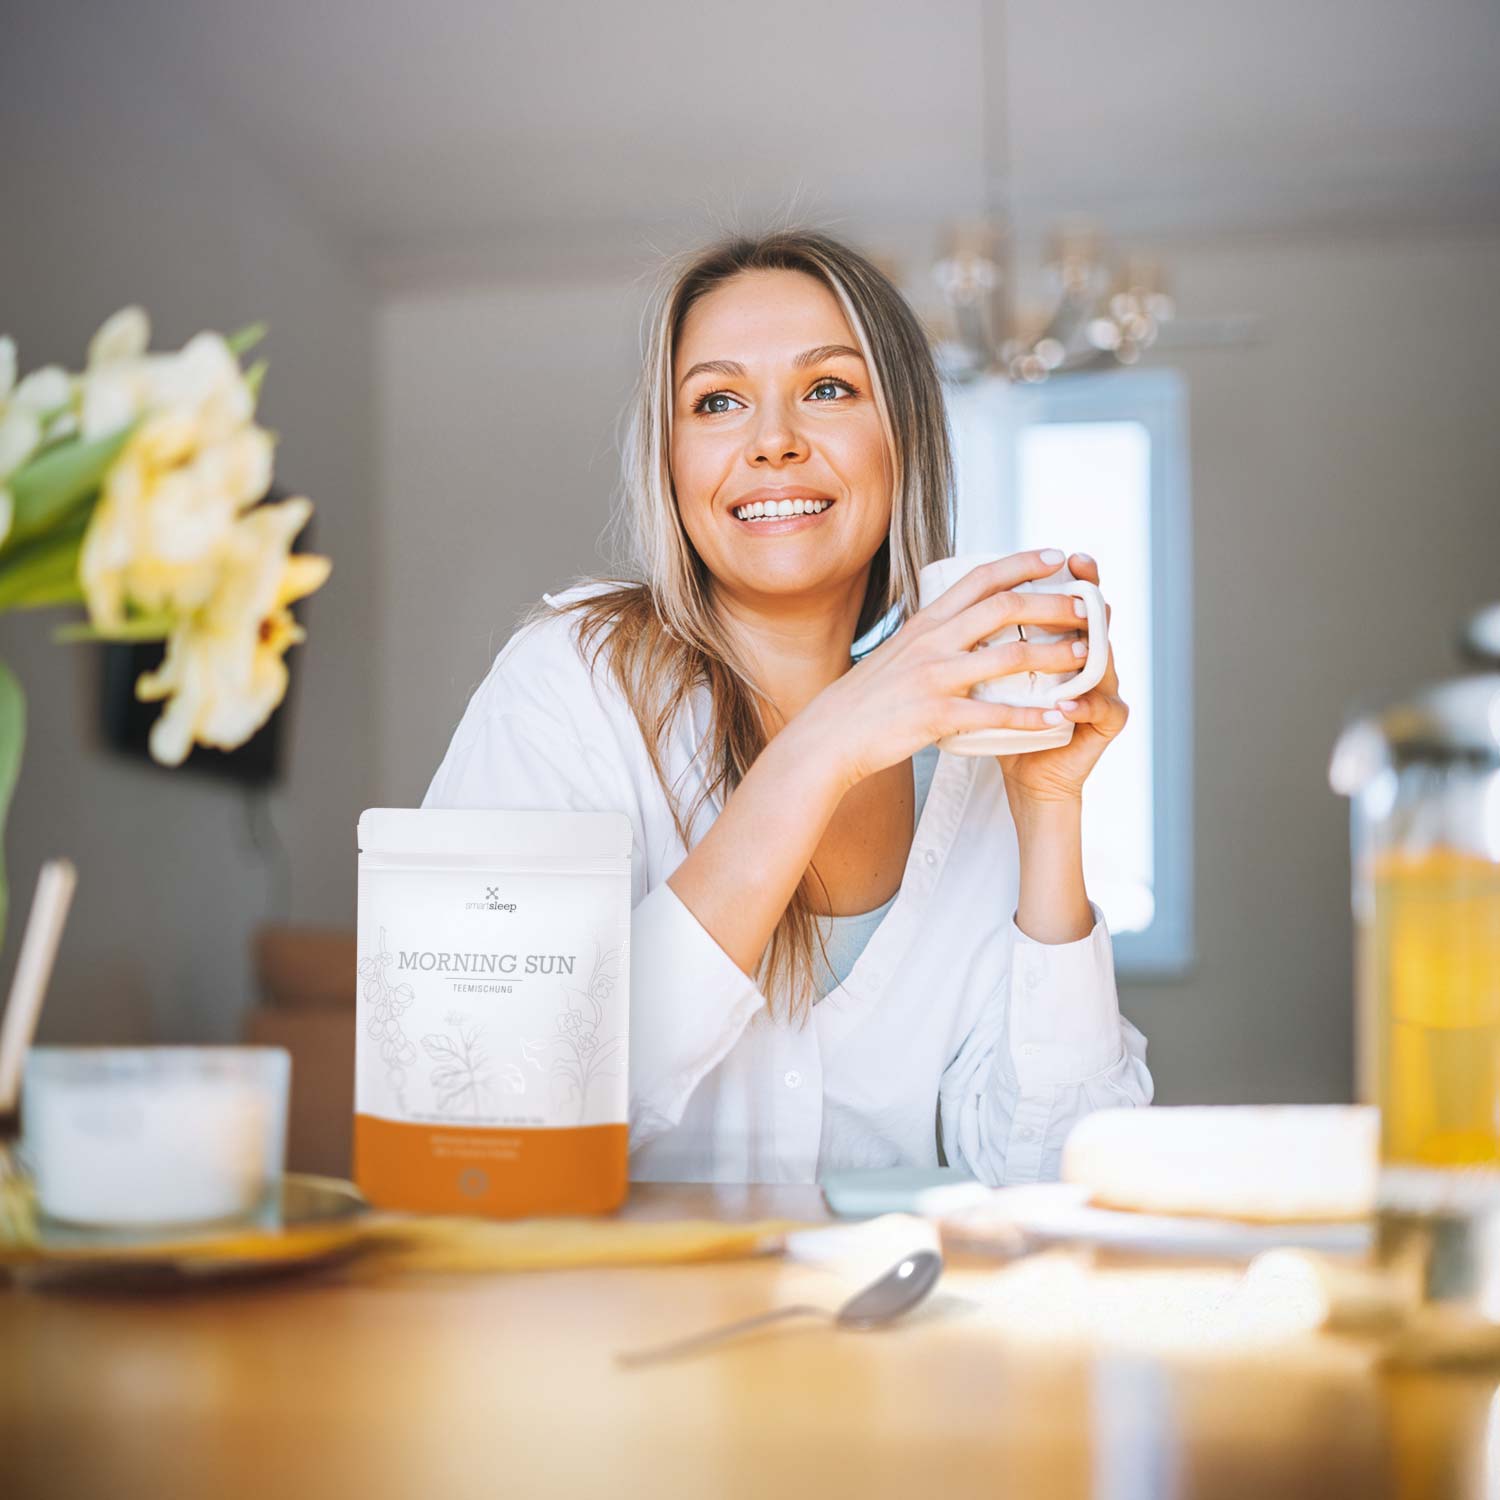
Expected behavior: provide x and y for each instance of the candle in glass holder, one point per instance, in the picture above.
(148, 1136)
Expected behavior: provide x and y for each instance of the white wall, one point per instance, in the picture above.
(118, 186)
(1345, 515)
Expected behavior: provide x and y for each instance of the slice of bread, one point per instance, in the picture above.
(1295, 1163)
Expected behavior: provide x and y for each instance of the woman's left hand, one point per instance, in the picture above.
(1057, 775)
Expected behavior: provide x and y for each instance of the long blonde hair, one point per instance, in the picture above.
(656, 628)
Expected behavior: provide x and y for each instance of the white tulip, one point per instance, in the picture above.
(44, 390)
(20, 432)
(122, 336)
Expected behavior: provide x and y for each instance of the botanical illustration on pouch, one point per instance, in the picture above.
(575, 1054)
(461, 1083)
(387, 1001)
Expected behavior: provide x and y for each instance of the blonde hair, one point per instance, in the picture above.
(657, 630)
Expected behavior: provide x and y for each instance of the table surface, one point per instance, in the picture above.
(329, 1384)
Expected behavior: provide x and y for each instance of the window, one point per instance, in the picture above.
(1097, 463)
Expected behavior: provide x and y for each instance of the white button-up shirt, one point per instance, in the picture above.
(949, 1007)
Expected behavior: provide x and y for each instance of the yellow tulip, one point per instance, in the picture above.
(224, 671)
(170, 500)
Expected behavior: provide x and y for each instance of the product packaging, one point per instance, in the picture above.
(493, 1011)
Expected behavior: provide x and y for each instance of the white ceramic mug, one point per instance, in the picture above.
(1024, 689)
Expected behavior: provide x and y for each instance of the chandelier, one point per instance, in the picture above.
(1098, 309)
(1101, 310)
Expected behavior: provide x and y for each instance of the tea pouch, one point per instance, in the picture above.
(493, 1011)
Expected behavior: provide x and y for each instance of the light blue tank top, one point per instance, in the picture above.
(845, 937)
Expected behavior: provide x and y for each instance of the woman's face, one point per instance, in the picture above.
(785, 413)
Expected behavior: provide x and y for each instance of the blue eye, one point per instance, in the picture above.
(701, 403)
(831, 380)
(700, 406)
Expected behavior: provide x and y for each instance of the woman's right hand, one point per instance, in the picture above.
(913, 688)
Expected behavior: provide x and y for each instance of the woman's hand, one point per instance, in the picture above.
(1057, 775)
(913, 688)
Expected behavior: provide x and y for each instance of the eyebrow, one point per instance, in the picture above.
(734, 368)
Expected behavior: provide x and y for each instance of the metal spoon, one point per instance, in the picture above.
(885, 1299)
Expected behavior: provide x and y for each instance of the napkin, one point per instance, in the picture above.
(404, 1243)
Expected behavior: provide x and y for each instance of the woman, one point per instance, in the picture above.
(847, 950)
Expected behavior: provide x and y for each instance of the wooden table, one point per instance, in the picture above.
(330, 1386)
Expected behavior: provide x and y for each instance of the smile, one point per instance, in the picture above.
(767, 513)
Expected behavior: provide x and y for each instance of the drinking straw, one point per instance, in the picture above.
(28, 988)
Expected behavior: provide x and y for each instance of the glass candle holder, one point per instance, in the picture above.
(150, 1137)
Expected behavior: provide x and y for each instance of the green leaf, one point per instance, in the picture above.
(47, 488)
(143, 628)
(44, 572)
(246, 338)
(12, 739)
(255, 375)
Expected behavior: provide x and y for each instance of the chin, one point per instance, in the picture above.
(812, 578)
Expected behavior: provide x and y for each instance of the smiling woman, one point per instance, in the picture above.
(775, 509)
(787, 474)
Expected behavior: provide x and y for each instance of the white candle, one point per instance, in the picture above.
(154, 1135)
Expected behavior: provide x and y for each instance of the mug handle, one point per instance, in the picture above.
(1097, 660)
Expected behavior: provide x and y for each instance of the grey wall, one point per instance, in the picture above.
(1345, 508)
(497, 462)
(120, 187)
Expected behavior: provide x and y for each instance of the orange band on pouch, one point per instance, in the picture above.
(489, 1170)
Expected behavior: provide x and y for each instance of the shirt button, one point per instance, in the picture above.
(1028, 1134)
(1029, 1049)
(930, 856)
(1033, 977)
(792, 1079)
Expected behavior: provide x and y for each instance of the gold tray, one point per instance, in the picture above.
(316, 1218)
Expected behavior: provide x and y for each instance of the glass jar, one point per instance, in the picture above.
(1424, 781)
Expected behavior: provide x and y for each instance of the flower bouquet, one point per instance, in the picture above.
(131, 489)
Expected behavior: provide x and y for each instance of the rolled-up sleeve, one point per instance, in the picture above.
(689, 1001)
(1050, 1048)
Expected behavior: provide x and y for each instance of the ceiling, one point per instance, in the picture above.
(430, 136)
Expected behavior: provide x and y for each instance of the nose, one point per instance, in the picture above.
(775, 439)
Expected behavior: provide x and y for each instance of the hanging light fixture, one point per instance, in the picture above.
(1103, 310)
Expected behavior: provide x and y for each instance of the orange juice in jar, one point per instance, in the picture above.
(1435, 960)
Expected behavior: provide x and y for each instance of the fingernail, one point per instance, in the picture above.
(1083, 557)
(1067, 704)
(1080, 648)
(1052, 717)
(1052, 555)
(1080, 608)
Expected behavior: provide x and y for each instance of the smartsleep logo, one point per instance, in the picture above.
(491, 902)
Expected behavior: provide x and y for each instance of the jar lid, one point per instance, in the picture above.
(1455, 720)
(1480, 642)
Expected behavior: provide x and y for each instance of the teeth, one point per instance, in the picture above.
(765, 509)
